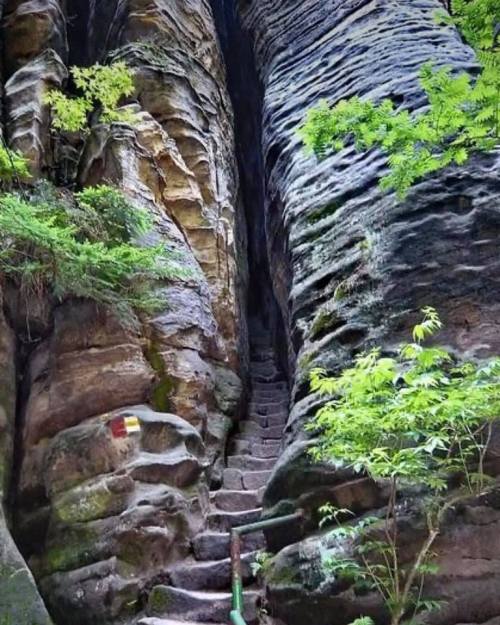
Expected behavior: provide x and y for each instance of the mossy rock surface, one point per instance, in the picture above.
(102, 499)
(20, 602)
(159, 601)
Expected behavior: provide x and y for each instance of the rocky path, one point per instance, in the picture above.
(199, 590)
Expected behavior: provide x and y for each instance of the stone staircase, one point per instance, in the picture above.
(199, 590)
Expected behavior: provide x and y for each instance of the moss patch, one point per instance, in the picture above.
(165, 387)
(88, 504)
(281, 576)
(324, 211)
(74, 550)
(159, 600)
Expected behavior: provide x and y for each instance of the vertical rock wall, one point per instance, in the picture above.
(101, 519)
(352, 266)
(362, 263)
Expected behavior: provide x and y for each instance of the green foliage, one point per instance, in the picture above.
(13, 166)
(108, 216)
(102, 86)
(403, 417)
(363, 620)
(46, 248)
(463, 115)
(415, 419)
(375, 566)
(261, 563)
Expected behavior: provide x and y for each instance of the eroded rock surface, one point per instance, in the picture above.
(352, 266)
(19, 597)
(99, 518)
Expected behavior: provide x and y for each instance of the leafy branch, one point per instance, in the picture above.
(102, 88)
(413, 420)
(52, 246)
(462, 116)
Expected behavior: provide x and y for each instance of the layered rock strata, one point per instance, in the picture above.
(101, 518)
(361, 263)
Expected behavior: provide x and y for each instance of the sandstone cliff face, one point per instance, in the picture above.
(361, 264)
(336, 266)
(98, 518)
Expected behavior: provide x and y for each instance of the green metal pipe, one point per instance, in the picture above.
(237, 618)
(268, 523)
(237, 581)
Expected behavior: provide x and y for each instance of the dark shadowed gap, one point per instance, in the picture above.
(246, 94)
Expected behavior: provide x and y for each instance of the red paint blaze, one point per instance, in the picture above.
(118, 429)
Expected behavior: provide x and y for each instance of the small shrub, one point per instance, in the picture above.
(261, 564)
(463, 115)
(45, 250)
(102, 86)
(13, 166)
(417, 419)
(107, 215)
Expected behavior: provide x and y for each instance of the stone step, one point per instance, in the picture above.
(270, 386)
(236, 500)
(266, 366)
(250, 463)
(263, 355)
(269, 420)
(209, 575)
(217, 545)
(224, 521)
(242, 445)
(265, 377)
(152, 620)
(259, 345)
(264, 374)
(257, 431)
(235, 479)
(267, 408)
(258, 397)
(196, 605)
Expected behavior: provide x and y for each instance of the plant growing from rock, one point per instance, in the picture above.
(462, 117)
(13, 167)
(53, 246)
(102, 88)
(415, 421)
(260, 565)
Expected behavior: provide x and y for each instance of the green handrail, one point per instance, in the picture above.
(236, 614)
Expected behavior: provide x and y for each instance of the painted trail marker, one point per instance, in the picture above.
(121, 427)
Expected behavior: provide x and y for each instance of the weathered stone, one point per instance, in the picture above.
(8, 393)
(185, 334)
(228, 390)
(180, 81)
(19, 599)
(28, 118)
(197, 605)
(93, 592)
(112, 373)
(97, 499)
(466, 554)
(435, 248)
(30, 27)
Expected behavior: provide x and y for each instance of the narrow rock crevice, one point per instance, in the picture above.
(246, 92)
